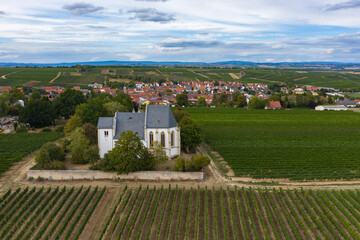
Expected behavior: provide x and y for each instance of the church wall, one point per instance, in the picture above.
(105, 142)
(170, 151)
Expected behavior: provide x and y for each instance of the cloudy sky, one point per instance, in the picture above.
(179, 30)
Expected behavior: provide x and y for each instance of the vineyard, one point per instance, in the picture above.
(296, 144)
(13, 147)
(169, 212)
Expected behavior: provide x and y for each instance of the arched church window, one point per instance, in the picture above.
(172, 138)
(151, 138)
(163, 139)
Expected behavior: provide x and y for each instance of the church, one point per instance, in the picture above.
(157, 123)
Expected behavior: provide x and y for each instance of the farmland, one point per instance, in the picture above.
(70, 77)
(171, 212)
(13, 147)
(296, 144)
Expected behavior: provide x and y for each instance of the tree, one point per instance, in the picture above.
(158, 151)
(112, 107)
(241, 101)
(45, 161)
(90, 132)
(73, 123)
(78, 146)
(130, 155)
(124, 100)
(179, 114)
(256, 102)
(36, 94)
(38, 113)
(55, 152)
(182, 100)
(91, 111)
(67, 101)
(191, 134)
(16, 94)
(4, 107)
(201, 101)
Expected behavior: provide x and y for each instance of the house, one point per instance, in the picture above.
(156, 124)
(331, 107)
(346, 103)
(273, 105)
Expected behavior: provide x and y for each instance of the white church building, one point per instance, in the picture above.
(156, 124)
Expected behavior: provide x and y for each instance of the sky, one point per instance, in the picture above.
(40, 31)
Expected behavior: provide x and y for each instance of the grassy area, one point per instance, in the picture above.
(302, 144)
(13, 147)
(69, 77)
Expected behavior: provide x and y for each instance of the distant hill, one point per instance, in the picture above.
(286, 65)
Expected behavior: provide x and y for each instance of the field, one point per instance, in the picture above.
(178, 213)
(10, 150)
(295, 144)
(69, 76)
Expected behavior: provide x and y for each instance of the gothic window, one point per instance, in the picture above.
(151, 137)
(172, 138)
(106, 133)
(163, 139)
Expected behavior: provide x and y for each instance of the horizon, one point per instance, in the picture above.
(180, 31)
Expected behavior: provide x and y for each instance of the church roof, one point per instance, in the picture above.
(159, 116)
(105, 122)
(129, 121)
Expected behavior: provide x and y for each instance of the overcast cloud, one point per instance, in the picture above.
(180, 30)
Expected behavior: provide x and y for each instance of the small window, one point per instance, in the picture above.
(151, 137)
(172, 138)
(106, 133)
(163, 139)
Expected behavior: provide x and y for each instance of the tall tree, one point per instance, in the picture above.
(67, 101)
(38, 113)
(182, 100)
(91, 111)
(191, 134)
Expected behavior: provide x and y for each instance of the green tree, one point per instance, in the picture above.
(124, 100)
(16, 94)
(90, 132)
(55, 152)
(158, 151)
(91, 111)
(201, 101)
(130, 155)
(180, 114)
(112, 107)
(38, 113)
(78, 146)
(182, 100)
(191, 134)
(67, 101)
(36, 94)
(4, 107)
(73, 123)
(241, 101)
(256, 102)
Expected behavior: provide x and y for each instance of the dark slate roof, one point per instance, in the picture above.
(129, 121)
(346, 102)
(105, 122)
(159, 116)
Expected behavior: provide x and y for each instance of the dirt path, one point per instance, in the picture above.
(57, 76)
(199, 74)
(4, 76)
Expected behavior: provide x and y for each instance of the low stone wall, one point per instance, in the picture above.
(99, 175)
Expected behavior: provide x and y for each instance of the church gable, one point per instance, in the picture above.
(129, 121)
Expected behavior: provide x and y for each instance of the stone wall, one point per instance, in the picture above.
(99, 175)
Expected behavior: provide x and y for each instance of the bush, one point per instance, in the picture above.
(64, 144)
(55, 152)
(59, 128)
(200, 161)
(46, 129)
(183, 165)
(91, 155)
(21, 128)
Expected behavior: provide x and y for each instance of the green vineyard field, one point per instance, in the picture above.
(13, 147)
(296, 144)
(171, 212)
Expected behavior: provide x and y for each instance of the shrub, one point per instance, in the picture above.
(55, 152)
(183, 165)
(200, 161)
(64, 144)
(21, 128)
(92, 154)
(59, 128)
(46, 129)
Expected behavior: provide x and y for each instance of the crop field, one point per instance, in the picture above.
(13, 147)
(294, 144)
(69, 76)
(178, 213)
